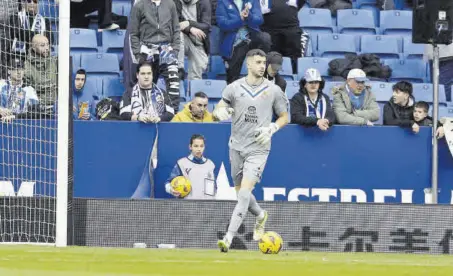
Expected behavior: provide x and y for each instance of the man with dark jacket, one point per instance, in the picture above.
(195, 27)
(282, 24)
(274, 63)
(311, 107)
(145, 102)
(155, 37)
(399, 110)
(239, 22)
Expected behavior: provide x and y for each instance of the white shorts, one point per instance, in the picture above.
(249, 165)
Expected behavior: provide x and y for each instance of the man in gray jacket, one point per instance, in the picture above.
(353, 102)
(155, 37)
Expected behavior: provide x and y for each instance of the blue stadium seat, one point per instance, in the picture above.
(100, 64)
(48, 9)
(380, 121)
(292, 88)
(113, 42)
(412, 70)
(328, 88)
(382, 90)
(83, 41)
(118, 7)
(312, 45)
(356, 22)
(386, 47)
(424, 92)
(322, 64)
(75, 62)
(113, 88)
(287, 69)
(445, 111)
(217, 68)
(127, 9)
(396, 22)
(336, 45)
(359, 4)
(316, 21)
(212, 88)
(214, 38)
(375, 11)
(411, 50)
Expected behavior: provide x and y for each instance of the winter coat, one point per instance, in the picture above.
(186, 116)
(397, 115)
(345, 112)
(299, 109)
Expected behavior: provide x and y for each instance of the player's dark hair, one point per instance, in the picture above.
(200, 94)
(256, 52)
(195, 137)
(403, 86)
(423, 105)
(142, 64)
(81, 72)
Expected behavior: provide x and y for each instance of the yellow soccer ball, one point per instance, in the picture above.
(181, 185)
(270, 243)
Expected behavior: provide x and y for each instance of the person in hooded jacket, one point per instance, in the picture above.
(311, 107)
(399, 110)
(83, 101)
(274, 62)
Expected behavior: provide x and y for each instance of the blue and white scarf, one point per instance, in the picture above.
(147, 101)
(315, 109)
(266, 5)
(38, 27)
(16, 97)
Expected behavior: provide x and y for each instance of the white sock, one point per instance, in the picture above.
(229, 236)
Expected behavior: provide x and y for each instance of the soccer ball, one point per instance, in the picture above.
(270, 243)
(181, 185)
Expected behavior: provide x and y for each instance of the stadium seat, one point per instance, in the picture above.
(100, 64)
(113, 42)
(75, 62)
(336, 45)
(212, 88)
(214, 40)
(382, 90)
(48, 9)
(315, 21)
(312, 45)
(411, 50)
(217, 68)
(113, 88)
(411, 70)
(396, 22)
(83, 41)
(445, 111)
(386, 47)
(356, 22)
(322, 64)
(359, 4)
(118, 7)
(287, 69)
(424, 92)
(127, 9)
(328, 88)
(380, 121)
(292, 88)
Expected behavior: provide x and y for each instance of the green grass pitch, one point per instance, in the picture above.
(50, 261)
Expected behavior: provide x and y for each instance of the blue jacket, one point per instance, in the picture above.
(229, 21)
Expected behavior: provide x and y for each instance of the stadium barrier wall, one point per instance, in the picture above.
(346, 164)
(304, 226)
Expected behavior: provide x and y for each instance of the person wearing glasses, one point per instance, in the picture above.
(196, 111)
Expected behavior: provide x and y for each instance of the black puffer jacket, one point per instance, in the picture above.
(396, 115)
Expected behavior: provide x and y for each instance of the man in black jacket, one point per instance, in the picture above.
(311, 107)
(398, 111)
(274, 63)
(195, 25)
(282, 24)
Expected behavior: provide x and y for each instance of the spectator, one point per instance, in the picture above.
(155, 37)
(80, 8)
(274, 63)
(421, 118)
(311, 107)
(195, 28)
(83, 107)
(445, 66)
(146, 102)
(282, 24)
(198, 169)
(353, 102)
(239, 21)
(26, 23)
(399, 110)
(195, 111)
(16, 98)
(7, 8)
(41, 71)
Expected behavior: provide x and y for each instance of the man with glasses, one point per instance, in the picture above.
(353, 102)
(195, 111)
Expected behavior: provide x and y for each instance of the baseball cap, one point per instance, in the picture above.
(275, 59)
(357, 74)
(312, 74)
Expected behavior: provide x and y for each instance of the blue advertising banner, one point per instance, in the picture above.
(345, 164)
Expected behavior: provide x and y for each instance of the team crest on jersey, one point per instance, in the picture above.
(250, 116)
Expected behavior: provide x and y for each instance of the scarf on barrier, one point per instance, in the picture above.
(149, 101)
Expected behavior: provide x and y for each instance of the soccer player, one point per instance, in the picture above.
(251, 101)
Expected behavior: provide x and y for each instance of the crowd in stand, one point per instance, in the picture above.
(160, 34)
